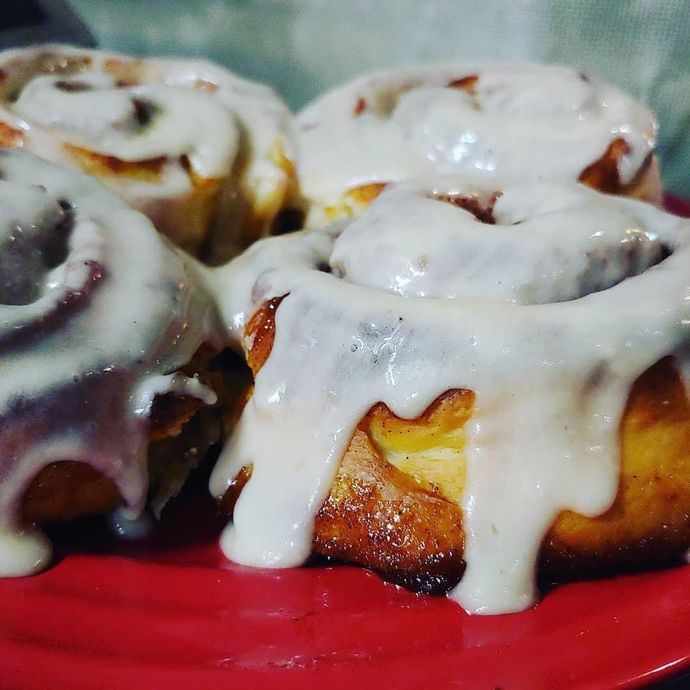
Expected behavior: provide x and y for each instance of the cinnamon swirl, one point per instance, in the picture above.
(205, 154)
(473, 382)
(523, 121)
(105, 336)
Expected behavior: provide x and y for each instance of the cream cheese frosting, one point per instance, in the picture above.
(94, 112)
(97, 314)
(525, 120)
(548, 311)
(189, 119)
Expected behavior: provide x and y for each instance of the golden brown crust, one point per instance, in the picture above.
(186, 219)
(101, 165)
(261, 330)
(483, 211)
(649, 522)
(10, 137)
(65, 490)
(377, 516)
(603, 175)
(388, 511)
(354, 201)
(467, 83)
(366, 193)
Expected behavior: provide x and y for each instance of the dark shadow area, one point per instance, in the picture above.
(191, 519)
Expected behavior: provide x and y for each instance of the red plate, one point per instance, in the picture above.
(172, 614)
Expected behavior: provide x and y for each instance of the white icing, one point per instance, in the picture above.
(226, 127)
(96, 315)
(176, 383)
(23, 552)
(264, 119)
(103, 119)
(519, 259)
(565, 369)
(533, 121)
(132, 525)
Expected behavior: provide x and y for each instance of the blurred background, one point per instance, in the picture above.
(301, 47)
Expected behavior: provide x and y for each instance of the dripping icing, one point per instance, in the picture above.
(96, 330)
(448, 332)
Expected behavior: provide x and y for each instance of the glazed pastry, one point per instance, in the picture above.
(105, 337)
(205, 154)
(525, 121)
(472, 381)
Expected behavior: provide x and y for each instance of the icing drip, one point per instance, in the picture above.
(97, 313)
(129, 524)
(414, 314)
(529, 121)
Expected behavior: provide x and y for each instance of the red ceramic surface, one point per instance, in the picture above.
(172, 614)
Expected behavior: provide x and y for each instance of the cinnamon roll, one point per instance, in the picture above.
(475, 382)
(106, 334)
(523, 121)
(205, 154)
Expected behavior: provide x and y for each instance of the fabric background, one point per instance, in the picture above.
(304, 46)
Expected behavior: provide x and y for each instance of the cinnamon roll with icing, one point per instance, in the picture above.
(105, 335)
(522, 121)
(475, 382)
(205, 154)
